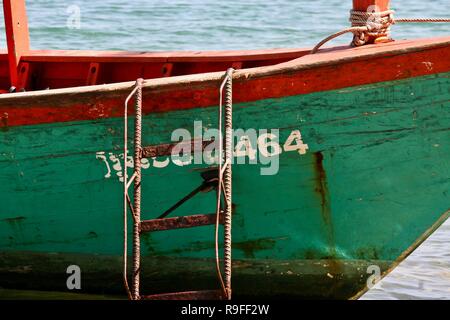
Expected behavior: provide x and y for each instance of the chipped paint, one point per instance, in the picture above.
(299, 221)
(429, 65)
(14, 220)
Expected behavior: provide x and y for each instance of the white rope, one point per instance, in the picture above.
(373, 24)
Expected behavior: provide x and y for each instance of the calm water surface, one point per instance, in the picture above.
(207, 24)
(216, 25)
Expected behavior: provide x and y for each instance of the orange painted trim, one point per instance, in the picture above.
(362, 5)
(17, 37)
(330, 70)
(174, 56)
(68, 68)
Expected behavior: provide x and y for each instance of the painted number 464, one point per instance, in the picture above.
(269, 146)
(294, 142)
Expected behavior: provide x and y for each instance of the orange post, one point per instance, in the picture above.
(17, 37)
(364, 5)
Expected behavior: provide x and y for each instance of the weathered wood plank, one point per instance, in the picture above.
(360, 66)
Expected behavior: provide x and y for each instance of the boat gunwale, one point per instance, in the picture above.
(155, 56)
(327, 57)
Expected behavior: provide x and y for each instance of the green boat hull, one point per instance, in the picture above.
(372, 184)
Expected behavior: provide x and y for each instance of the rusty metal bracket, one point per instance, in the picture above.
(179, 222)
(166, 148)
(188, 295)
(206, 185)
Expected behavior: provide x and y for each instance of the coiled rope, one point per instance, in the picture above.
(373, 24)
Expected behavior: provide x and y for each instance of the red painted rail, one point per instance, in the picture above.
(42, 69)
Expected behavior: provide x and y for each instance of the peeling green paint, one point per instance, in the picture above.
(374, 179)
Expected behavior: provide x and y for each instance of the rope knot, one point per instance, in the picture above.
(373, 24)
(370, 24)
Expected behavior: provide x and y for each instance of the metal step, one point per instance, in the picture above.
(179, 222)
(166, 149)
(188, 295)
(217, 178)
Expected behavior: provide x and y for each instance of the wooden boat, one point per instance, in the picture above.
(363, 173)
